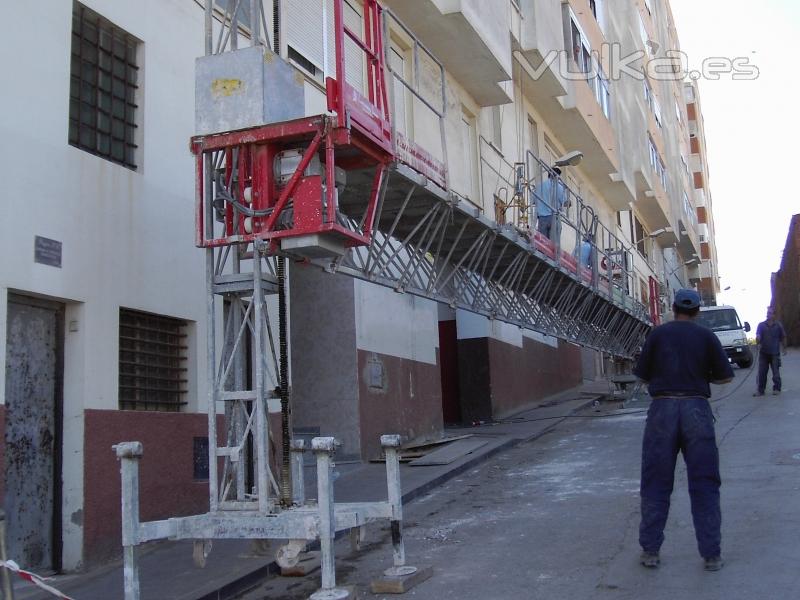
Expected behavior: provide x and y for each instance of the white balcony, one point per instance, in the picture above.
(473, 43)
(700, 198)
(695, 163)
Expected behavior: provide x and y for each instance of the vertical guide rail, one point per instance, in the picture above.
(286, 473)
(260, 403)
(211, 343)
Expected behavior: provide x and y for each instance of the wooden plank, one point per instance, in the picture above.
(450, 453)
(446, 440)
(400, 584)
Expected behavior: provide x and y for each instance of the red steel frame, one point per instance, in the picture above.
(361, 128)
(371, 114)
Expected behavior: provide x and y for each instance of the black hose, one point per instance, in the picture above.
(222, 192)
(286, 479)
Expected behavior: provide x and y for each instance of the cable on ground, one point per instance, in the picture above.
(632, 412)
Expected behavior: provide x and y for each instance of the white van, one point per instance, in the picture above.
(725, 323)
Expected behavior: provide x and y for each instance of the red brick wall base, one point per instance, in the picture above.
(397, 395)
(497, 379)
(166, 472)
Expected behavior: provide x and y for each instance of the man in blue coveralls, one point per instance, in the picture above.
(678, 361)
(771, 340)
(551, 196)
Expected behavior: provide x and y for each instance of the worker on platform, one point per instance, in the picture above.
(678, 361)
(551, 197)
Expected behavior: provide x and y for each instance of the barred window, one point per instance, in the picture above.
(152, 361)
(103, 88)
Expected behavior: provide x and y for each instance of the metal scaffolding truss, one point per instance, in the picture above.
(432, 244)
(350, 193)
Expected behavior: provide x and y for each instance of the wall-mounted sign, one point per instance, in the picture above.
(47, 251)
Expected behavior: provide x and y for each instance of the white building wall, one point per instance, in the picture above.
(127, 235)
(395, 324)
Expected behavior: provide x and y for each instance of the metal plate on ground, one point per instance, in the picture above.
(450, 453)
(786, 457)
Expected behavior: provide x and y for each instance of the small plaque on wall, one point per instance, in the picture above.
(47, 251)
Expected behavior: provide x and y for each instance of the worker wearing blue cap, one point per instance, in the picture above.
(678, 361)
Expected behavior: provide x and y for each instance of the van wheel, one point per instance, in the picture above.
(745, 364)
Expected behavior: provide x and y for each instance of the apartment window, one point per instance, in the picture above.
(469, 145)
(588, 63)
(640, 237)
(533, 133)
(602, 92)
(643, 35)
(152, 361)
(302, 28)
(689, 210)
(103, 88)
(401, 96)
(685, 165)
(657, 163)
(593, 7)
(581, 52)
(497, 128)
(652, 103)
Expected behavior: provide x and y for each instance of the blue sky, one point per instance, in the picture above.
(752, 135)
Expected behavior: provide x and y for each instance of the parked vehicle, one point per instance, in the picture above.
(724, 322)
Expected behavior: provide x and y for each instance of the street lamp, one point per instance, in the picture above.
(570, 159)
(659, 232)
(688, 263)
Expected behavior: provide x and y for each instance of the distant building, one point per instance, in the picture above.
(786, 285)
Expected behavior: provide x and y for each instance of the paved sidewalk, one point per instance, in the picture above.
(167, 571)
(558, 518)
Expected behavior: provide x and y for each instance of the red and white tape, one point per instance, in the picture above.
(33, 578)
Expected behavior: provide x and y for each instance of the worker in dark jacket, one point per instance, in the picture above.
(678, 361)
(771, 339)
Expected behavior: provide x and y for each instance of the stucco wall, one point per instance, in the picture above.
(127, 236)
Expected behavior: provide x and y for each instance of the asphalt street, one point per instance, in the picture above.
(558, 517)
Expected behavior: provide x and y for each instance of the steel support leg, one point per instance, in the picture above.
(298, 481)
(323, 448)
(399, 578)
(391, 449)
(129, 454)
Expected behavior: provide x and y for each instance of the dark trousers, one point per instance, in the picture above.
(685, 425)
(765, 361)
(545, 225)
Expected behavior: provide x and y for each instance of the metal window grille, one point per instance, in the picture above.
(152, 361)
(103, 88)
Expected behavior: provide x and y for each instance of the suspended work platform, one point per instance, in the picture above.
(349, 191)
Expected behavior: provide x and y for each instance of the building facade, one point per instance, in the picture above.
(786, 285)
(103, 306)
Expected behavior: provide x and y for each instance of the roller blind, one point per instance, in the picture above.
(302, 27)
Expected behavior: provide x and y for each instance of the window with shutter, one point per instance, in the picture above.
(303, 31)
(397, 62)
(354, 58)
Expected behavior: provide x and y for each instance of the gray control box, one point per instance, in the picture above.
(246, 88)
